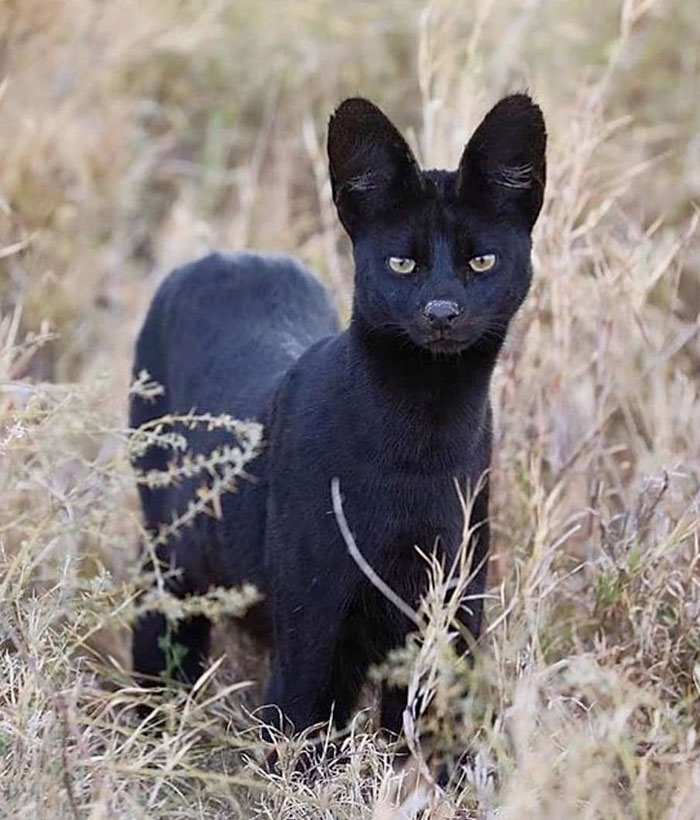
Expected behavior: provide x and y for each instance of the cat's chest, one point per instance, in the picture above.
(398, 510)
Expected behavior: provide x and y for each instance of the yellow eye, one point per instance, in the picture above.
(399, 264)
(479, 264)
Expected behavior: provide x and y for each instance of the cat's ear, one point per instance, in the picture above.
(372, 169)
(503, 166)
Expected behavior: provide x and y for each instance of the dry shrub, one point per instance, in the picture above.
(136, 135)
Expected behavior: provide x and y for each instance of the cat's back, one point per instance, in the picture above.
(223, 329)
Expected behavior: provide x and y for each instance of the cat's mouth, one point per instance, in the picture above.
(454, 339)
(451, 336)
(445, 344)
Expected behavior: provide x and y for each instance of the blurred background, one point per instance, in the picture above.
(135, 136)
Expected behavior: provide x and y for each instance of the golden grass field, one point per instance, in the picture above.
(137, 135)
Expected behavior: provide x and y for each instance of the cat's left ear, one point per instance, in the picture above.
(503, 166)
(373, 171)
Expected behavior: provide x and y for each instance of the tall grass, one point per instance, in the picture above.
(134, 136)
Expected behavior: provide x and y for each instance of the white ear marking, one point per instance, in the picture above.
(518, 177)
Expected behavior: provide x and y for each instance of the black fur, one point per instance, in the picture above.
(396, 406)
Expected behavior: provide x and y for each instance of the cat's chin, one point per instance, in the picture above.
(445, 346)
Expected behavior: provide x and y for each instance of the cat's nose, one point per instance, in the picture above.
(441, 313)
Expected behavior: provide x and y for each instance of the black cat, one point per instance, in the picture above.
(396, 406)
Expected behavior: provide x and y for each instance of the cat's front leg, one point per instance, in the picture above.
(307, 626)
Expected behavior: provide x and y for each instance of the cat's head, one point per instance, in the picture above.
(441, 257)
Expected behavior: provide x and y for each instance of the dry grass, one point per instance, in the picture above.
(137, 135)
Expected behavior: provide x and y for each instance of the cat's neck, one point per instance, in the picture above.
(439, 385)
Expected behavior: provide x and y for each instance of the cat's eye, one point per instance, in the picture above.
(401, 264)
(480, 264)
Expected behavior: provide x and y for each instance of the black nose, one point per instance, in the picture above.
(441, 313)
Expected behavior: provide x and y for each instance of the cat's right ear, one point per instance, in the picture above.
(372, 169)
(503, 166)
